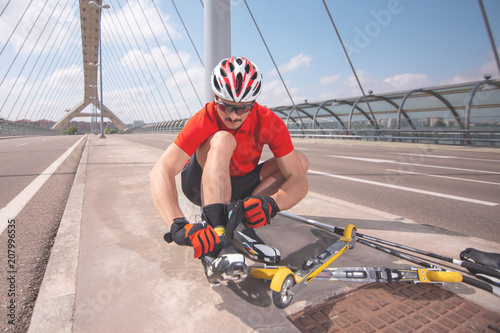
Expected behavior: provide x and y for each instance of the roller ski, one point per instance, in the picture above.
(285, 280)
(229, 264)
(239, 243)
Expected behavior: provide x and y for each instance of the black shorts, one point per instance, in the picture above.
(241, 187)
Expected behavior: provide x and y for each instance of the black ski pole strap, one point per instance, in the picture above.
(480, 269)
(235, 216)
(480, 257)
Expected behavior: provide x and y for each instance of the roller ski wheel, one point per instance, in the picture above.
(283, 298)
(226, 267)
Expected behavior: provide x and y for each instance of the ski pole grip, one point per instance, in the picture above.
(168, 237)
(480, 257)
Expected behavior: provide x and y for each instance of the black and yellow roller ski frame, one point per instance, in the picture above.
(383, 274)
(285, 279)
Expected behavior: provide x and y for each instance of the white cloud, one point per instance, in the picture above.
(489, 67)
(300, 60)
(296, 62)
(125, 22)
(329, 79)
(408, 81)
(274, 94)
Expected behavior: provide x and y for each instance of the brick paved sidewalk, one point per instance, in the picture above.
(397, 307)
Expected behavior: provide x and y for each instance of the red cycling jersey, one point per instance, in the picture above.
(261, 127)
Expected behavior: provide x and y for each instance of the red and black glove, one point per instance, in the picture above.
(200, 236)
(259, 211)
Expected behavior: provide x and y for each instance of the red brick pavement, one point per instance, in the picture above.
(397, 307)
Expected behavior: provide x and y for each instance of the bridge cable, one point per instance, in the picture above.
(54, 78)
(275, 66)
(374, 122)
(136, 59)
(58, 80)
(147, 66)
(120, 82)
(15, 28)
(7, 5)
(130, 82)
(37, 59)
(129, 63)
(157, 67)
(45, 87)
(166, 62)
(177, 52)
(187, 31)
(43, 66)
(26, 61)
(19, 51)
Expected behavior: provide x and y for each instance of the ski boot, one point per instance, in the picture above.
(228, 265)
(247, 242)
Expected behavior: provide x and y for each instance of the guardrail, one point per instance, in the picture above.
(8, 128)
(486, 137)
(483, 137)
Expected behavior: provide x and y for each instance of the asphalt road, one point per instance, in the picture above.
(454, 188)
(23, 159)
(449, 187)
(34, 220)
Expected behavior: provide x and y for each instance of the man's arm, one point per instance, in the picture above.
(296, 186)
(163, 186)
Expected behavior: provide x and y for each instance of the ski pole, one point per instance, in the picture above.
(479, 284)
(472, 267)
(473, 282)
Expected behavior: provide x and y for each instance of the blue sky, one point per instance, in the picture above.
(394, 45)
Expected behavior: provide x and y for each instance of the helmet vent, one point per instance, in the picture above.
(246, 92)
(228, 89)
(257, 90)
(216, 84)
(239, 83)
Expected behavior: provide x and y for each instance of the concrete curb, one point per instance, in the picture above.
(55, 303)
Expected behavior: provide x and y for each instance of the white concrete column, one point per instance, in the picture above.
(217, 38)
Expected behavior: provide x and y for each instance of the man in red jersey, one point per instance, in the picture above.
(218, 152)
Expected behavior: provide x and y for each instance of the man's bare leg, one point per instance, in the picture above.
(214, 157)
(271, 177)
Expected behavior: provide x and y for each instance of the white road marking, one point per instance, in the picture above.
(21, 144)
(446, 177)
(414, 164)
(408, 189)
(449, 157)
(17, 204)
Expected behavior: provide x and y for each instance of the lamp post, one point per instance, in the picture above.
(105, 6)
(94, 111)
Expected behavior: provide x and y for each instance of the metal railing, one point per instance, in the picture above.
(487, 137)
(9, 128)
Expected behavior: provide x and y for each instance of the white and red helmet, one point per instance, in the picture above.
(236, 79)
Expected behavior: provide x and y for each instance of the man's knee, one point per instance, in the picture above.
(221, 144)
(222, 141)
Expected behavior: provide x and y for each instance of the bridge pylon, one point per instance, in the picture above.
(89, 22)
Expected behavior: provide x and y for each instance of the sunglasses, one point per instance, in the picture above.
(228, 108)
